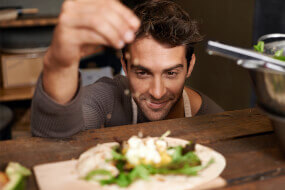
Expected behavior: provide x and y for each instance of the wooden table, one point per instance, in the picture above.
(244, 137)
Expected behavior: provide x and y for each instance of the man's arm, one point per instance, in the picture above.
(57, 105)
(88, 109)
(83, 23)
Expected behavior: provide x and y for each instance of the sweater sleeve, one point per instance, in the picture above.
(98, 103)
(90, 108)
(50, 119)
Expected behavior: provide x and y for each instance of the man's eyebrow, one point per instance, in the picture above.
(139, 67)
(174, 67)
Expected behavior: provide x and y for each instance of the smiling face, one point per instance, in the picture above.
(156, 76)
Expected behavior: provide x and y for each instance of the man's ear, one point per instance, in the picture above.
(191, 65)
(124, 65)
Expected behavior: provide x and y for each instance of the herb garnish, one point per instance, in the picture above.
(184, 161)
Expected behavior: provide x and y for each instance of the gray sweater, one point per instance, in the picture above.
(105, 103)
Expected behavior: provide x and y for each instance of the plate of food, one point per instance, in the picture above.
(138, 163)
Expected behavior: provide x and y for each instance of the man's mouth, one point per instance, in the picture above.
(156, 105)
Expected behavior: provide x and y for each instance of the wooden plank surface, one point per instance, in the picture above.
(244, 137)
(252, 158)
(14, 94)
(202, 129)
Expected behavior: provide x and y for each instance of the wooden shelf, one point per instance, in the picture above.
(29, 22)
(15, 94)
(26, 93)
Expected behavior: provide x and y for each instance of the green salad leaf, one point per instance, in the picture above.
(278, 54)
(139, 171)
(93, 173)
(177, 153)
(123, 180)
(117, 155)
(259, 47)
(179, 159)
(281, 58)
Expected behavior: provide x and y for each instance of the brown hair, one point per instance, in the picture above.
(167, 23)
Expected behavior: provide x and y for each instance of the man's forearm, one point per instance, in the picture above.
(60, 83)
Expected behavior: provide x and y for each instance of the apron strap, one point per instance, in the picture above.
(187, 106)
(135, 111)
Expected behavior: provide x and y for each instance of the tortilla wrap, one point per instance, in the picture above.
(100, 153)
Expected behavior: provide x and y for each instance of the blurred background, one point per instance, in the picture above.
(23, 42)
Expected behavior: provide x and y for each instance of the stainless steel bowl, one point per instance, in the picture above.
(270, 90)
(269, 85)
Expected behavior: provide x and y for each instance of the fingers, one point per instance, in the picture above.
(109, 19)
(128, 15)
(101, 28)
(126, 32)
(108, 32)
(89, 37)
(105, 31)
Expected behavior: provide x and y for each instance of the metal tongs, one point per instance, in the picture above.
(246, 58)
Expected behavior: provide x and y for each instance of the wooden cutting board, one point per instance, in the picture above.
(62, 176)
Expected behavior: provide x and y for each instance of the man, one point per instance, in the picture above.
(158, 57)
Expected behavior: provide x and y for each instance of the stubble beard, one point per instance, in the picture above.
(156, 114)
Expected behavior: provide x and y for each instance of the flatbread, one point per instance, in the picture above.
(64, 175)
(161, 181)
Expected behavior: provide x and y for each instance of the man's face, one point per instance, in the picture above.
(156, 75)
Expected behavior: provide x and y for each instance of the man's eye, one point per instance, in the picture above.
(171, 74)
(141, 73)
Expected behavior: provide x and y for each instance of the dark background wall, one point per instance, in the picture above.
(269, 17)
(231, 22)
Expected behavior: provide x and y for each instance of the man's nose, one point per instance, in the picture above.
(157, 88)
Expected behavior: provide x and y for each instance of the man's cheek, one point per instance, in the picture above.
(138, 87)
(175, 85)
